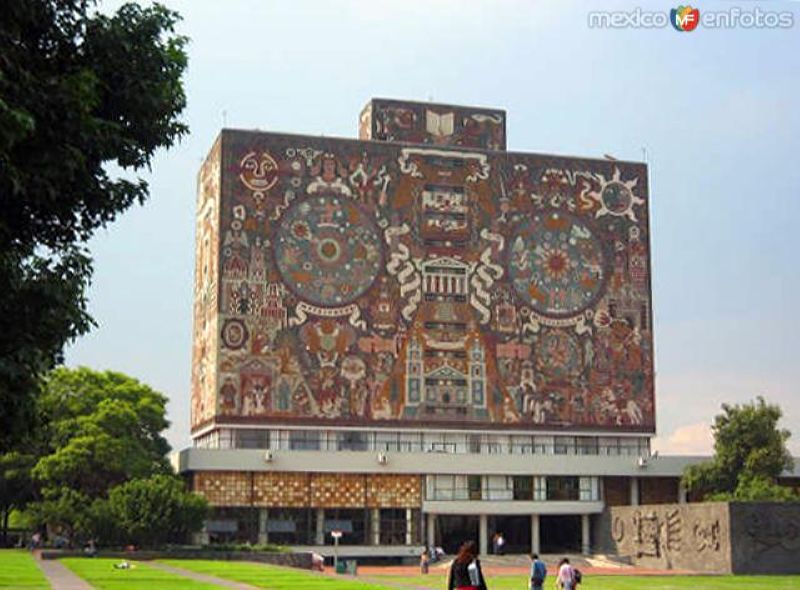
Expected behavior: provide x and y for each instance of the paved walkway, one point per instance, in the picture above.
(59, 576)
(222, 583)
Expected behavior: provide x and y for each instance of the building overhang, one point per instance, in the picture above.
(189, 460)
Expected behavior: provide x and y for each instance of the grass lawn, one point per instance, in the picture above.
(437, 582)
(100, 573)
(270, 577)
(18, 570)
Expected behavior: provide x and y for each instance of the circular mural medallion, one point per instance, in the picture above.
(556, 265)
(234, 334)
(617, 198)
(328, 251)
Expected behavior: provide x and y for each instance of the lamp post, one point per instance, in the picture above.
(336, 536)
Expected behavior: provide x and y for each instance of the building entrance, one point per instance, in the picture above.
(453, 530)
(516, 530)
(560, 534)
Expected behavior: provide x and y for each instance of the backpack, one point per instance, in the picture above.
(578, 576)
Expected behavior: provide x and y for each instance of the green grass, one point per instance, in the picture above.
(270, 577)
(436, 581)
(19, 570)
(100, 573)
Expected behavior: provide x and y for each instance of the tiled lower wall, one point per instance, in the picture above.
(315, 490)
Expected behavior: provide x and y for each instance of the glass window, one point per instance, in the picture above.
(353, 524)
(523, 487)
(563, 488)
(353, 441)
(474, 484)
(252, 439)
(587, 445)
(564, 445)
(393, 526)
(303, 440)
(291, 526)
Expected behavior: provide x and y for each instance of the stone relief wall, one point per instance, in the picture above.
(713, 537)
(767, 537)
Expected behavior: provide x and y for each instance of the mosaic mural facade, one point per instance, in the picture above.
(344, 282)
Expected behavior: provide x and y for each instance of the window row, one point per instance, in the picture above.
(310, 526)
(537, 488)
(423, 442)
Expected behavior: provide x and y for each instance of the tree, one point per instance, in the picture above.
(156, 510)
(749, 455)
(100, 430)
(80, 93)
(16, 487)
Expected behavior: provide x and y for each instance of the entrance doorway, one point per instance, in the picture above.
(516, 529)
(560, 534)
(453, 530)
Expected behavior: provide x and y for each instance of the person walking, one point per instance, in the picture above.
(538, 572)
(465, 573)
(566, 575)
(424, 562)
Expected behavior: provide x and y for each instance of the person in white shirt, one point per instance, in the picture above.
(566, 575)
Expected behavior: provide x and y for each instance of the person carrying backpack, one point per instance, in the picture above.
(538, 572)
(566, 578)
(465, 573)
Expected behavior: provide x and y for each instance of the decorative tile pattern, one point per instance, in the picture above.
(337, 490)
(224, 488)
(394, 491)
(287, 490)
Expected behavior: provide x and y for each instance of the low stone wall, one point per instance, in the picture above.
(767, 537)
(711, 537)
(296, 560)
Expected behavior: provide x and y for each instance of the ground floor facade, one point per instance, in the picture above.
(393, 501)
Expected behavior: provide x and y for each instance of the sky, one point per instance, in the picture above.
(714, 112)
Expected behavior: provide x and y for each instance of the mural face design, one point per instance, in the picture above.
(370, 282)
(327, 251)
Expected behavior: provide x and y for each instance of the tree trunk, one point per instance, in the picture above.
(4, 532)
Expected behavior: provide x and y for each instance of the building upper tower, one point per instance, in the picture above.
(421, 276)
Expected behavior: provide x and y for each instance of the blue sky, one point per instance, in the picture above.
(716, 111)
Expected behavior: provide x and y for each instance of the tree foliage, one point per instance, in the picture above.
(100, 429)
(79, 91)
(749, 455)
(16, 487)
(156, 510)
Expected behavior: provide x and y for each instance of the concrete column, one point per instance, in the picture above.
(634, 482)
(483, 534)
(536, 544)
(375, 523)
(682, 494)
(585, 529)
(263, 536)
(431, 530)
(409, 526)
(320, 539)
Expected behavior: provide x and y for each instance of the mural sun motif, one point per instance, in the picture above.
(616, 197)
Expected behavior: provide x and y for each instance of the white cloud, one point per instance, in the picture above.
(692, 439)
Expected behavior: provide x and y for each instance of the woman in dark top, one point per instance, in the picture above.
(465, 573)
